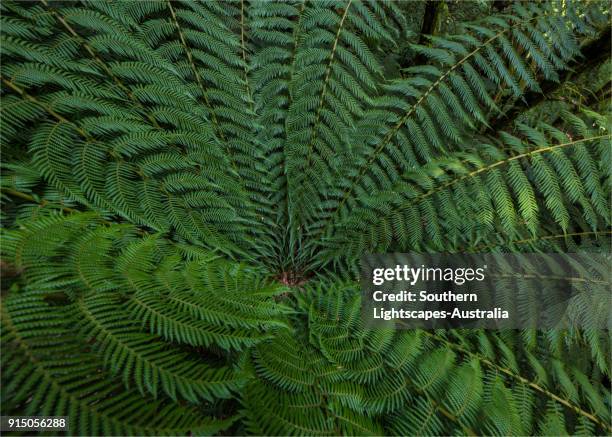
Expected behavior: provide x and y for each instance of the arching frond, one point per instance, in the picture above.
(187, 188)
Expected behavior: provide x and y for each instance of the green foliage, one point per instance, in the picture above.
(187, 187)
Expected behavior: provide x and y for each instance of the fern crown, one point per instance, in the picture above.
(187, 187)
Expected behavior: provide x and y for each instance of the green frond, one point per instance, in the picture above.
(187, 188)
(515, 184)
(41, 350)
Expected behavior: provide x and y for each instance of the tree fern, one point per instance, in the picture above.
(187, 188)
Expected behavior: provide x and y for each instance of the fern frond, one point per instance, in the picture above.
(187, 188)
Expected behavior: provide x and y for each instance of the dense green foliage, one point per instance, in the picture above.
(187, 188)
